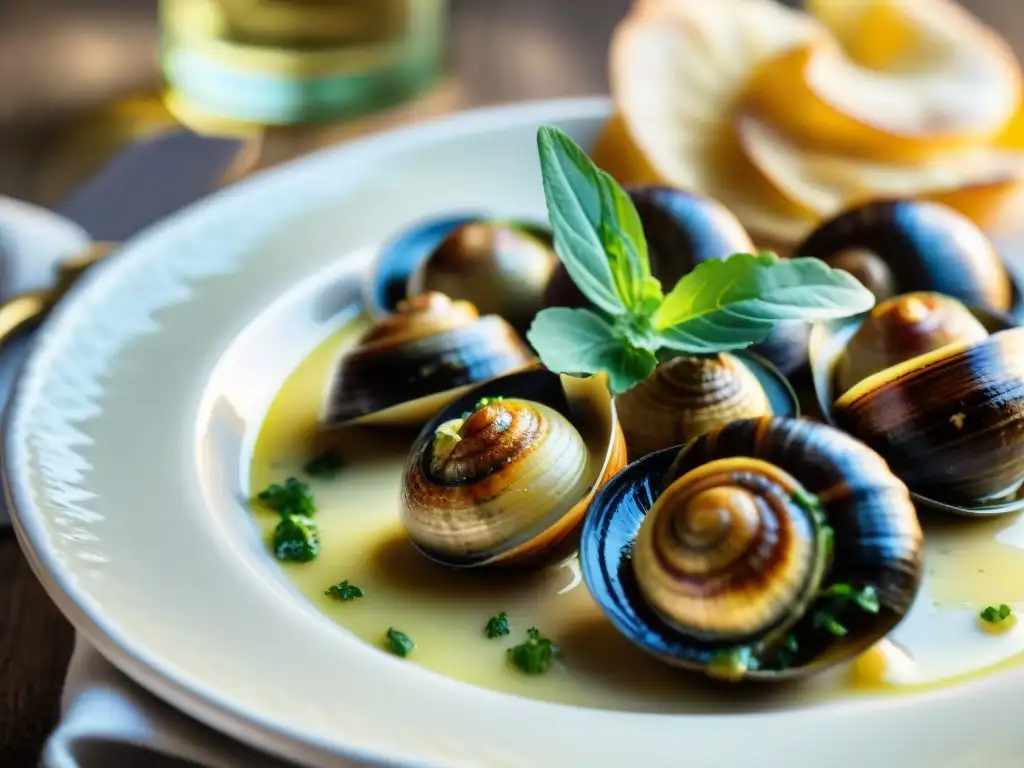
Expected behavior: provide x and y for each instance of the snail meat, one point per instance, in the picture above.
(409, 364)
(899, 246)
(935, 388)
(504, 474)
(687, 396)
(684, 229)
(766, 549)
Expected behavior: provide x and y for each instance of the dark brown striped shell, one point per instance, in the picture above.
(950, 423)
(411, 363)
(899, 246)
(723, 556)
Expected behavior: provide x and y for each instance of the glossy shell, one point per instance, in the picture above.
(411, 363)
(903, 327)
(753, 502)
(898, 246)
(508, 482)
(401, 257)
(687, 396)
(500, 267)
(949, 422)
(682, 230)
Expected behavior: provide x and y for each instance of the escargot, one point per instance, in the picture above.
(768, 549)
(937, 389)
(903, 327)
(687, 396)
(899, 246)
(501, 266)
(684, 229)
(504, 474)
(410, 363)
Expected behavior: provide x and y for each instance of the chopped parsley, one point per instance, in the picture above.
(836, 601)
(497, 625)
(534, 656)
(296, 539)
(398, 642)
(488, 400)
(344, 591)
(290, 498)
(995, 615)
(324, 465)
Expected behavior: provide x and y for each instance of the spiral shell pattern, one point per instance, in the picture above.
(430, 347)
(728, 551)
(902, 328)
(686, 397)
(494, 483)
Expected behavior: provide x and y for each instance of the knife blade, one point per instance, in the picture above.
(149, 181)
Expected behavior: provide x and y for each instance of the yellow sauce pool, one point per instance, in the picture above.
(969, 564)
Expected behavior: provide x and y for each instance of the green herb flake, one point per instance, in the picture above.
(733, 664)
(721, 305)
(487, 401)
(344, 591)
(829, 623)
(325, 465)
(398, 642)
(497, 626)
(534, 656)
(995, 615)
(446, 437)
(289, 498)
(296, 539)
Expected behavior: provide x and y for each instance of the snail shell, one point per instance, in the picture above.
(500, 267)
(950, 422)
(687, 396)
(904, 327)
(684, 229)
(410, 363)
(508, 481)
(899, 246)
(722, 557)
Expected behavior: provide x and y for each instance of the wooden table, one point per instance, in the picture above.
(62, 59)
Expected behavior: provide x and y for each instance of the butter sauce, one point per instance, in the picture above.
(970, 564)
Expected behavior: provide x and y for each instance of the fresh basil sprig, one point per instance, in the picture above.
(721, 305)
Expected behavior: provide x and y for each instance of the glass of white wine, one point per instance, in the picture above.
(279, 62)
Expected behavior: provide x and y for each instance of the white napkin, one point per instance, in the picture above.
(107, 721)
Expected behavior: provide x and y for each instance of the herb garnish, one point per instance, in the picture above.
(398, 642)
(995, 615)
(534, 656)
(296, 539)
(290, 498)
(344, 591)
(497, 625)
(835, 602)
(488, 400)
(324, 465)
(721, 305)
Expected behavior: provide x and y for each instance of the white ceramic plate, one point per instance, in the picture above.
(126, 452)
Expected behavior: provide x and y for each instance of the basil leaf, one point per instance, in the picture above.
(573, 195)
(731, 303)
(580, 341)
(622, 235)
